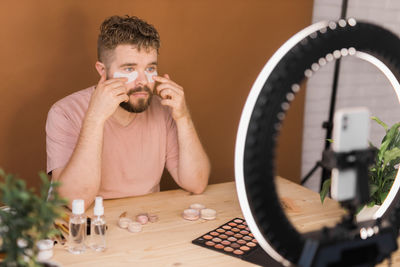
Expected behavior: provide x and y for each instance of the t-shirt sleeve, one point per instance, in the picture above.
(61, 138)
(172, 156)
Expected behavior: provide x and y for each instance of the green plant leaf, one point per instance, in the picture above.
(325, 189)
(387, 140)
(391, 155)
(384, 125)
(372, 189)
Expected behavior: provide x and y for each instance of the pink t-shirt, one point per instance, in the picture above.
(134, 156)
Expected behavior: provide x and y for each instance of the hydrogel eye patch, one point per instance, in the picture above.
(131, 76)
(149, 76)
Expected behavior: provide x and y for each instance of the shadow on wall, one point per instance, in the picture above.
(48, 79)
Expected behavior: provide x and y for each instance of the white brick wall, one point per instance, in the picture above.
(360, 83)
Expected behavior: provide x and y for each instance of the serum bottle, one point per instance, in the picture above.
(98, 231)
(77, 227)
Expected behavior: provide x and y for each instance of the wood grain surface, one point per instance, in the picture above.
(168, 241)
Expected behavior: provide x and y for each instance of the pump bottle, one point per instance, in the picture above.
(77, 227)
(98, 231)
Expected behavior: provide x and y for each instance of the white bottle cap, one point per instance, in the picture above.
(98, 207)
(78, 206)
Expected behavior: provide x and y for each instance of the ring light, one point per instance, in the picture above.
(264, 111)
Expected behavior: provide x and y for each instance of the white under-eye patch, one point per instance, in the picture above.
(150, 75)
(131, 76)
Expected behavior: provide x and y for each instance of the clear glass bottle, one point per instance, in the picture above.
(77, 227)
(98, 231)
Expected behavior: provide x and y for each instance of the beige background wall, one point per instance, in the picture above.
(214, 49)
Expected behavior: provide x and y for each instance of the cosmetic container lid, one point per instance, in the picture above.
(98, 207)
(78, 206)
(45, 244)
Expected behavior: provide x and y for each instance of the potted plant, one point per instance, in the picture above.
(383, 172)
(27, 218)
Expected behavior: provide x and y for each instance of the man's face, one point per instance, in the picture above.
(126, 59)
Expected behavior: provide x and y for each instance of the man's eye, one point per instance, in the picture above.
(150, 69)
(128, 69)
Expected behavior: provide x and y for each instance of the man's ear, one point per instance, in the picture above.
(100, 67)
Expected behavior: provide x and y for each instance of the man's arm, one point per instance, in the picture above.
(193, 165)
(81, 177)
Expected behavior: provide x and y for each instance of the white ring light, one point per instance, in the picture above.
(249, 108)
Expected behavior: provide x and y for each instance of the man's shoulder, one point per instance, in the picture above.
(75, 101)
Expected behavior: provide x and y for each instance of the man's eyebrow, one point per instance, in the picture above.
(135, 64)
(128, 64)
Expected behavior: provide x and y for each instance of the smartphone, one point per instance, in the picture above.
(350, 132)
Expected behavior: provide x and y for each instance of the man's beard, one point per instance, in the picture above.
(142, 104)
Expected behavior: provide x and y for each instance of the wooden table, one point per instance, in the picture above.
(168, 241)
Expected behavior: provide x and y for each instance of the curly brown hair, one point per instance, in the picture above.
(118, 30)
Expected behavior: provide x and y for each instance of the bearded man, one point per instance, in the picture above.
(115, 139)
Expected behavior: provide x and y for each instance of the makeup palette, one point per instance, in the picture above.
(235, 239)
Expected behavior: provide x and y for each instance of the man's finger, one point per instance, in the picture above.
(167, 102)
(165, 86)
(120, 90)
(165, 80)
(123, 98)
(161, 79)
(115, 84)
(113, 80)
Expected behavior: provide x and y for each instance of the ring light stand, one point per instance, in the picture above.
(260, 123)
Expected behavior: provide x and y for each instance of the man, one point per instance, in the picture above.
(115, 138)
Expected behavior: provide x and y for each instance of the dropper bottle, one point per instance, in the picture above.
(77, 227)
(98, 231)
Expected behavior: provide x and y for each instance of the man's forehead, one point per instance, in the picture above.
(130, 53)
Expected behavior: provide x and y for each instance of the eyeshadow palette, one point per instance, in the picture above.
(235, 239)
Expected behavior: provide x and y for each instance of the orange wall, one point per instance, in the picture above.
(214, 49)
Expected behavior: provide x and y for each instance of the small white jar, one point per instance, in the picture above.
(45, 247)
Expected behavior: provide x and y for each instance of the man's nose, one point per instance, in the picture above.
(141, 79)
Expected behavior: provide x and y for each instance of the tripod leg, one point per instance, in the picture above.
(311, 172)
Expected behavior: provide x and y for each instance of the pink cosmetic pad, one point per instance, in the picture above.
(134, 227)
(142, 218)
(131, 76)
(149, 76)
(208, 214)
(124, 222)
(153, 218)
(197, 206)
(191, 214)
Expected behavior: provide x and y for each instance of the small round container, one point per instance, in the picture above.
(45, 247)
(208, 214)
(191, 214)
(142, 218)
(124, 222)
(134, 227)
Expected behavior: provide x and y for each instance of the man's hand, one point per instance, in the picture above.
(172, 95)
(106, 97)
